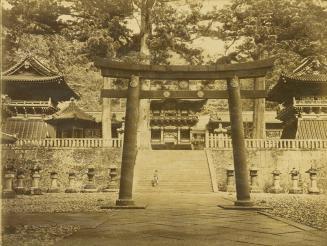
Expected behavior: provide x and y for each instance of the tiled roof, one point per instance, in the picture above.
(7, 138)
(17, 78)
(32, 62)
(29, 128)
(72, 111)
(311, 129)
(310, 78)
(304, 78)
(34, 74)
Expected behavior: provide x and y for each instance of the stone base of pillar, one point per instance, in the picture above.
(237, 207)
(71, 190)
(124, 204)
(34, 191)
(295, 191)
(53, 190)
(20, 190)
(8, 194)
(244, 203)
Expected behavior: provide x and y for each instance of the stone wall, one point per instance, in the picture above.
(64, 161)
(268, 160)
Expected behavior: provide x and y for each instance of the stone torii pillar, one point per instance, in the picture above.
(239, 152)
(130, 145)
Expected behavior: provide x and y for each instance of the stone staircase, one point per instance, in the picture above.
(178, 171)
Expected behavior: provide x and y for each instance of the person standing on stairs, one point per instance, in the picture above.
(155, 180)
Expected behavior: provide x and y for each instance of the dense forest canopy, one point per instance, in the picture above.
(68, 35)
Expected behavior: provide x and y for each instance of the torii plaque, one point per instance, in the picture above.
(229, 72)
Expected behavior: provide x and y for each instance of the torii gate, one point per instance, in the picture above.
(229, 72)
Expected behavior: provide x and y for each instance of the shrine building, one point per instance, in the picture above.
(302, 98)
(31, 92)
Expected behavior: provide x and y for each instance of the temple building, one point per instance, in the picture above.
(172, 122)
(32, 92)
(302, 98)
(221, 120)
(73, 122)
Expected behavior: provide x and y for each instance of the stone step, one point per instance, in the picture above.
(178, 171)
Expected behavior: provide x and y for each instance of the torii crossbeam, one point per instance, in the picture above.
(229, 72)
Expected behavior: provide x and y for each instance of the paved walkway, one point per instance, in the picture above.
(179, 219)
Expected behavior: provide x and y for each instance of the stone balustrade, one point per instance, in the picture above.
(215, 142)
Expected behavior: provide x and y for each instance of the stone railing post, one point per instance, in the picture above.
(313, 189)
(230, 186)
(9, 176)
(90, 186)
(295, 182)
(71, 183)
(254, 187)
(276, 188)
(112, 184)
(54, 187)
(35, 175)
(20, 188)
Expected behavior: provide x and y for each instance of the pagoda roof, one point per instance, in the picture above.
(30, 73)
(70, 112)
(308, 79)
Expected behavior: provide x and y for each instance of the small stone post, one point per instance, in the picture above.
(54, 187)
(71, 185)
(295, 181)
(112, 184)
(90, 186)
(313, 189)
(35, 175)
(276, 188)
(254, 188)
(20, 189)
(230, 187)
(9, 176)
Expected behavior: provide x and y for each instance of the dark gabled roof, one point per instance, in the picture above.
(27, 62)
(70, 112)
(308, 79)
(33, 74)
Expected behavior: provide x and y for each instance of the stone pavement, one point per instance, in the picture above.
(179, 219)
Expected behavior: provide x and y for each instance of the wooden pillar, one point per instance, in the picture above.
(130, 143)
(178, 135)
(143, 132)
(259, 124)
(106, 115)
(239, 154)
(162, 135)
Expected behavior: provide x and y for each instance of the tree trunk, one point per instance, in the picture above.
(143, 131)
(259, 123)
(106, 114)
